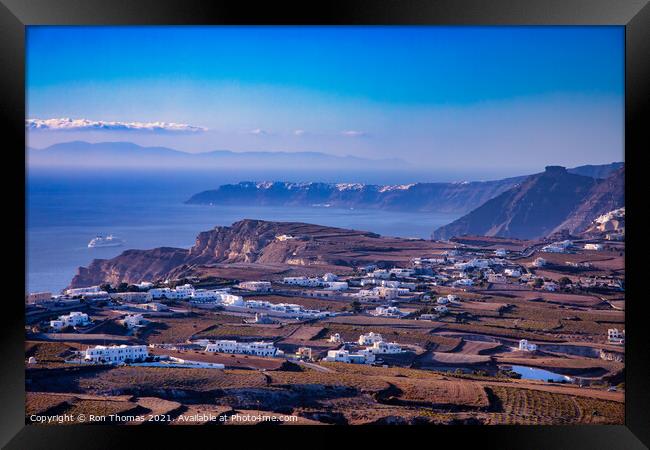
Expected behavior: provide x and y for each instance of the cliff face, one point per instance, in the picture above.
(254, 241)
(442, 197)
(458, 198)
(542, 204)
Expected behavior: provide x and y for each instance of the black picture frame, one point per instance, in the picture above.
(634, 15)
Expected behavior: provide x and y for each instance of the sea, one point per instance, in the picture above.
(146, 209)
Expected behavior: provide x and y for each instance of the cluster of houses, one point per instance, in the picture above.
(374, 345)
(327, 281)
(558, 247)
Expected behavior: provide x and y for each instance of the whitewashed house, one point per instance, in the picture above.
(115, 353)
(345, 356)
(526, 347)
(73, 319)
(255, 286)
(335, 338)
(379, 348)
(539, 262)
(133, 320)
(615, 337)
(246, 348)
(370, 338)
(594, 246)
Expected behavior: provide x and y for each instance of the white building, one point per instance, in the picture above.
(500, 252)
(116, 353)
(441, 309)
(526, 347)
(401, 273)
(132, 297)
(370, 338)
(73, 319)
(255, 286)
(335, 338)
(388, 311)
(246, 348)
(464, 282)
(379, 273)
(35, 298)
(303, 281)
(336, 285)
(144, 285)
(428, 316)
(593, 246)
(84, 291)
(512, 272)
(361, 357)
(550, 286)
(539, 262)
(133, 320)
(497, 278)
(615, 337)
(379, 348)
(330, 277)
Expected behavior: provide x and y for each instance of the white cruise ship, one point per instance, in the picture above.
(105, 241)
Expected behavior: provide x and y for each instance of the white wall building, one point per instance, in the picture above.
(370, 338)
(379, 348)
(526, 347)
(73, 319)
(615, 337)
(255, 286)
(500, 252)
(336, 285)
(330, 277)
(388, 311)
(303, 281)
(133, 320)
(335, 338)
(593, 246)
(539, 262)
(246, 348)
(83, 291)
(34, 298)
(512, 272)
(116, 353)
(361, 357)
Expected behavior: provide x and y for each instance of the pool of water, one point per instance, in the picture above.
(533, 373)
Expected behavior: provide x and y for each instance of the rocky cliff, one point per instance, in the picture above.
(255, 242)
(541, 205)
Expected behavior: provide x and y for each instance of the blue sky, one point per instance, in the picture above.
(514, 98)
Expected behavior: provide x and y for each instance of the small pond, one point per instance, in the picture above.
(533, 373)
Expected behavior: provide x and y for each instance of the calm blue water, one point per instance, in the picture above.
(65, 211)
(533, 373)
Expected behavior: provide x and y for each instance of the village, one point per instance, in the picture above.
(532, 315)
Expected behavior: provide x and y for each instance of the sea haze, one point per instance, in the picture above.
(65, 210)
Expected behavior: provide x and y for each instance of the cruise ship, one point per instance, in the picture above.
(105, 241)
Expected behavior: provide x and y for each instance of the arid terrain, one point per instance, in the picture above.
(459, 342)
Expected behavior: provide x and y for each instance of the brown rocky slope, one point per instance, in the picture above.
(257, 242)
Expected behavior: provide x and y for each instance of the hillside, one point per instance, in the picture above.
(540, 205)
(284, 244)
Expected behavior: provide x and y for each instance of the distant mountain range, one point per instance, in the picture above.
(543, 204)
(460, 197)
(129, 155)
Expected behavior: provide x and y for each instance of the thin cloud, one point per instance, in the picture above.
(299, 132)
(259, 132)
(67, 124)
(353, 133)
